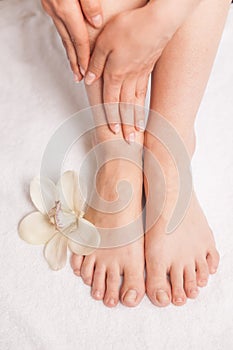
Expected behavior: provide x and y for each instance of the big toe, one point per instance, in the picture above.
(157, 285)
(133, 287)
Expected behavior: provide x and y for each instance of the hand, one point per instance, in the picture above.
(70, 23)
(126, 52)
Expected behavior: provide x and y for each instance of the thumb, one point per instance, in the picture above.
(93, 12)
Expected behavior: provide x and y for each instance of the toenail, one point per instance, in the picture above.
(131, 138)
(131, 295)
(162, 296)
(112, 302)
(97, 294)
(203, 281)
(194, 291)
(179, 300)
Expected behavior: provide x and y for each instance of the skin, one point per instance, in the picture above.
(70, 18)
(126, 72)
(189, 254)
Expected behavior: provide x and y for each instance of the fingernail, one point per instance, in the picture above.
(213, 270)
(141, 125)
(116, 128)
(131, 295)
(82, 71)
(131, 138)
(97, 20)
(162, 296)
(76, 78)
(89, 78)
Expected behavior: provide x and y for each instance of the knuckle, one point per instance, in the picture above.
(191, 281)
(80, 42)
(112, 98)
(112, 277)
(91, 8)
(141, 93)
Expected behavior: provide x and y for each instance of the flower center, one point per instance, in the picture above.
(63, 221)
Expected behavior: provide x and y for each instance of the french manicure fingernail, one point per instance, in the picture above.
(97, 20)
(82, 70)
(131, 138)
(89, 78)
(116, 128)
(76, 78)
(141, 125)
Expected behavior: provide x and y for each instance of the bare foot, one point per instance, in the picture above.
(177, 263)
(103, 268)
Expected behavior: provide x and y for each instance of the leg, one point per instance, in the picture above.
(102, 269)
(187, 255)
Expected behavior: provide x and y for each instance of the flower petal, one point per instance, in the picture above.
(43, 193)
(80, 249)
(35, 228)
(55, 251)
(69, 192)
(86, 235)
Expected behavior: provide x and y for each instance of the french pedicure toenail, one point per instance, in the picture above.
(111, 302)
(194, 291)
(179, 300)
(131, 295)
(203, 281)
(97, 294)
(131, 138)
(162, 296)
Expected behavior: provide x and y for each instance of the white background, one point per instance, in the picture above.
(44, 310)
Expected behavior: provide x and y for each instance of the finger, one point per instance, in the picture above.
(93, 12)
(141, 90)
(75, 24)
(111, 98)
(97, 61)
(69, 47)
(127, 103)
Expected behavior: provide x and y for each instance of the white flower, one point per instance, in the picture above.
(59, 221)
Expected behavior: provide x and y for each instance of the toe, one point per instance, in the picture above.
(177, 283)
(133, 287)
(190, 282)
(76, 263)
(98, 284)
(213, 260)
(157, 285)
(202, 272)
(111, 297)
(87, 270)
